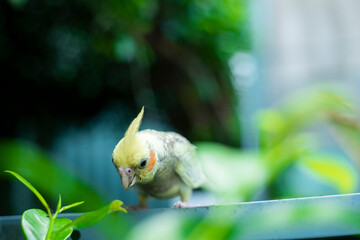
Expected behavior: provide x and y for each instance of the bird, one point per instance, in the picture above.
(158, 164)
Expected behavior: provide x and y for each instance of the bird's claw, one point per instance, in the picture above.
(181, 204)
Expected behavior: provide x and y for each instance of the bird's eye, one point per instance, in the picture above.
(143, 163)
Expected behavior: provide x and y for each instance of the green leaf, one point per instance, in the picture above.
(90, 218)
(60, 231)
(28, 185)
(246, 169)
(300, 111)
(58, 208)
(333, 170)
(35, 224)
(71, 206)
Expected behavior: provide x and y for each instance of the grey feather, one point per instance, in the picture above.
(188, 165)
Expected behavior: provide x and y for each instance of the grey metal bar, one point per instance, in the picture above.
(301, 218)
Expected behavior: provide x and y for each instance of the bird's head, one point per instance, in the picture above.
(132, 157)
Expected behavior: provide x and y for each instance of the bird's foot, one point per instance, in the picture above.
(181, 204)
(136, 207)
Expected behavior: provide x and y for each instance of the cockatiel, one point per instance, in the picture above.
(159, 164)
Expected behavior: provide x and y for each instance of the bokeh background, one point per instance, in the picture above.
(267, 90)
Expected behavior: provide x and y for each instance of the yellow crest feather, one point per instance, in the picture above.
(128, 149)
(134, 127)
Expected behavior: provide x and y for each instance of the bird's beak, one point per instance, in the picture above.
(128, 178)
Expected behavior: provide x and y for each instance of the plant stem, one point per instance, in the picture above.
(52, 220)
(50, 228)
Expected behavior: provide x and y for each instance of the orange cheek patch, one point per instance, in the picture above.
(152, 160)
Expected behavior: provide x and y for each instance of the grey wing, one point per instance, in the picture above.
(188, 165)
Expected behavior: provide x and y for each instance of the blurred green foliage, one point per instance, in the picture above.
(168, 55)
(288, 138)
(36, 165)
(263, 222)
(233, 174)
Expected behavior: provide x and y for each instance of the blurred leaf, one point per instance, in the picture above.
(306, 107)
(89, 219)
(281, 156)
(123, 223)
(39, 168)
(28, 185)
(245, 222)
(333, 170)
(210, 228)
(166, 225)
(18, 3)
(35, 224)
(231, 173)
(125, 48)
(272, 121)
(283, 141)
(347, 134)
